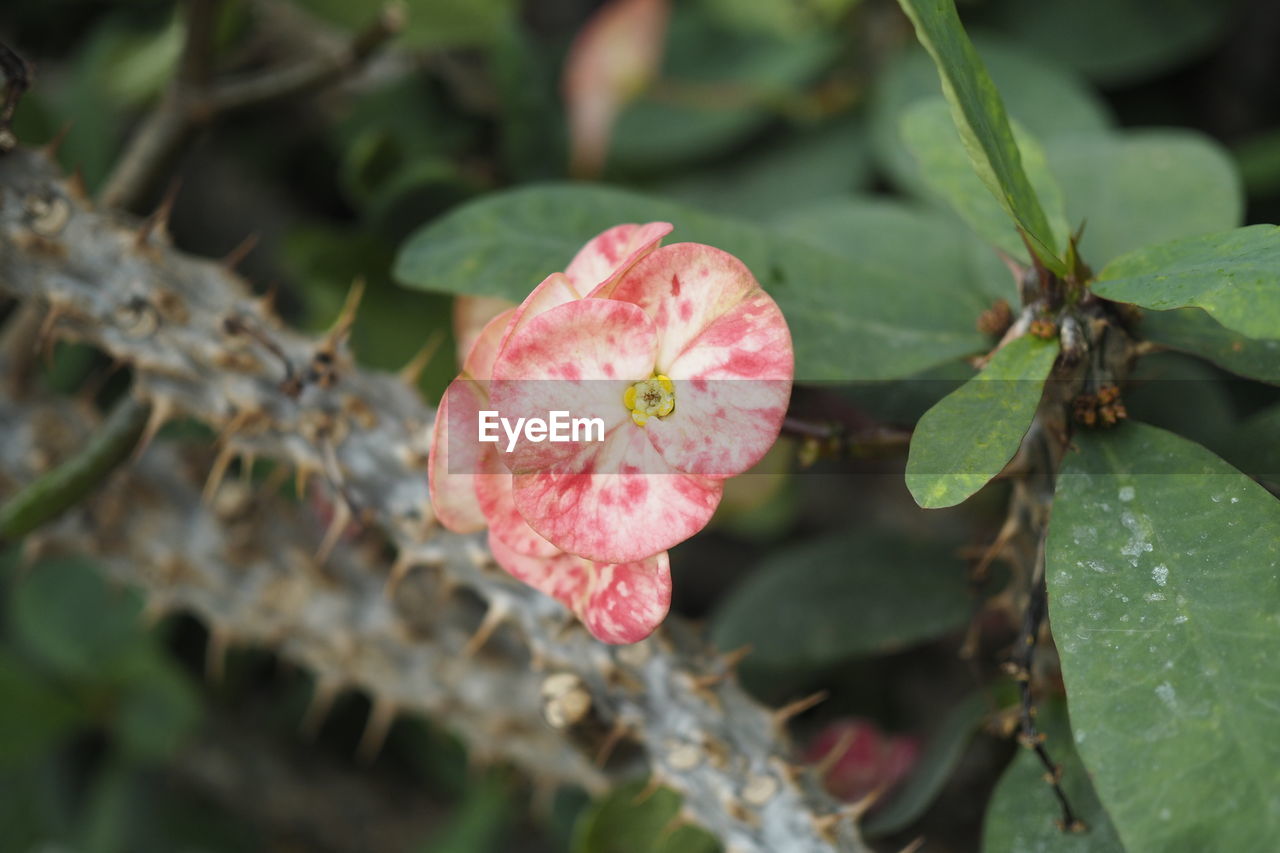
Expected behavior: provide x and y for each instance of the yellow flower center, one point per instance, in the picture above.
(652, 397)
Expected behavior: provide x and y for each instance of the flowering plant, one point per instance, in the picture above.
(687, 364)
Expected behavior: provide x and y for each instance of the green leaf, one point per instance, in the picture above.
(1023, 812)
(718, 87)
(66, 614)
(979, 115)
(623, 823)
(936, 764)
(837, 598)
(968, 438)
(480, 823)
(1164, 585)
(1128, 40)
(34, 713)
(1143, 187)
(931, 137)
(36, 804)
(108, 819)
(144, 62)
(802, 168)
(1045, 99)
(784, 17)
(951, 268)
(849, 321)
(1193, 331)
(158, 709)
(1232, 275)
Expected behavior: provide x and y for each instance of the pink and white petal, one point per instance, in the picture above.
(479, 361)
(456, 457)
(612, 60)
(749, 341)
(617, 502)
(470, 315)
(613, 252)
(505, 521)
(588, 339)
(626, 602)
(733, 385)
(578, 358)
(721, 428)
(554, 290)
(617, 603)
(562, 576)
(685, 287)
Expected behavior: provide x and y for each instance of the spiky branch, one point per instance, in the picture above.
(199, 344)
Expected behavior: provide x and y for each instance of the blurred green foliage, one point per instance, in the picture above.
(76, 662)
(779, 130)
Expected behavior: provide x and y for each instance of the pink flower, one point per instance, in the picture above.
(688, 364)
(614, 58)
(865, 759)
(470, 315)
(471, 488)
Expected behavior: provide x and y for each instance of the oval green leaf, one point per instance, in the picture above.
(624, 821)
(65, 614)
(837, 598)
(1140, 187)
(955, 272)
(1164, 584)
(158, 709)
(35, 714)
(1191, 330)
(849, 320)
(938, 761)
(809, 165)
(930, 136)
(1235, 276)
(1045, 99)
(973, 432)
(979, 116)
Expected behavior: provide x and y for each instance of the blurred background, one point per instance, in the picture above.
(113, 736)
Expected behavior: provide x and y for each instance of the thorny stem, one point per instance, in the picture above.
(1108, 355)
(1029, 509)
(340, 622)
(1023, 658)
(76, 478)
(845, 441)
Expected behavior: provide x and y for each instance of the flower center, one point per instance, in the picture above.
(652, 397)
